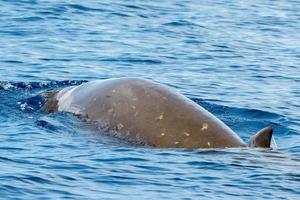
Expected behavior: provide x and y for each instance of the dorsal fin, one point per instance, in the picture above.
(262, 138)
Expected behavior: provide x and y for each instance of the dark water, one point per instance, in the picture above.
(238, 59)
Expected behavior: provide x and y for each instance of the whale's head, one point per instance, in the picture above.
(262, 138)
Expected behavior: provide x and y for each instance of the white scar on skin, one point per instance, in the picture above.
(133, 107)
(136, 113)
(162, 134)
(186, 133)
(110, 110)
(160, 117)
(208, 144)
(204, 126)
(176, 142)
(120, 126)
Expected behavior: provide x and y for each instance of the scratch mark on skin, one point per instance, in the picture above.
(136, 113)
(114, 91)
(208, 144)
(204, 126)
(134, 99)
(176, 142)
(133, 107)
(94, 99)
(162, 134)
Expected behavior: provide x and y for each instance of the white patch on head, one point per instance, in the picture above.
(65, 101)
(204, 126)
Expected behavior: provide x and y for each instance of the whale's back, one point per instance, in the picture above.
(146, 112)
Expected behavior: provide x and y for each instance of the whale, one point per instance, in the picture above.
(145, 112)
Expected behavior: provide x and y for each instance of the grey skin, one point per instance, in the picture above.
(144, 112)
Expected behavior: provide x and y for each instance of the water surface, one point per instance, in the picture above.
(238, 59)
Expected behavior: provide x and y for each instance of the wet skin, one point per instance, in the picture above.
(145, 112)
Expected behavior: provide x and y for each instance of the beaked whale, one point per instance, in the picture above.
(148, 113)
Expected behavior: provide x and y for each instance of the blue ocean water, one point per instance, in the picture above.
(238, 59)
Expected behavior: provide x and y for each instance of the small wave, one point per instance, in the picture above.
(46, 124)
(133, 60)
(28, 19)
(85, 8)
(57, 123)
(13, 61)
(32, 104)
(39, 85)
(181, 23)
(134, 7)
